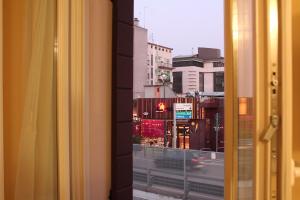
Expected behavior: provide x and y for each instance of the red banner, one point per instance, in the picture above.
(152, 128)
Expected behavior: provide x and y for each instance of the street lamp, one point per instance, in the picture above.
(217, 128)
(164, 78)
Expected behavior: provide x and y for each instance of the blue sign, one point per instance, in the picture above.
(187, 114)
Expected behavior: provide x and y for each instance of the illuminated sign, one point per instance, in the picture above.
(184, 110)
(161, 107)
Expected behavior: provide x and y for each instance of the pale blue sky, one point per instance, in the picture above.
(183, 24)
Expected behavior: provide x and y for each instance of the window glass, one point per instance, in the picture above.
(201, 81)
(178, 125)
(244, 33)
(219, 81)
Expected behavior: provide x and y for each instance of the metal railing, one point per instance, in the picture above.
(184, 174)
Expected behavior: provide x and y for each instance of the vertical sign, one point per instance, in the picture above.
(180, 111)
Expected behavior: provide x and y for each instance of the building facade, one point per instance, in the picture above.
(139, 60)
(159, 62)
(159, 91)
(203, 72)
(202, 124)
(150, 61)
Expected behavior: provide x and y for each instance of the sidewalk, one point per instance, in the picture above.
(141, 195)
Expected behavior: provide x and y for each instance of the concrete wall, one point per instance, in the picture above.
(158, 92)
(208, 53)
(208, 82)
(139, 61)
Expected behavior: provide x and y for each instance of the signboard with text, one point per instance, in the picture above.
(184, 110)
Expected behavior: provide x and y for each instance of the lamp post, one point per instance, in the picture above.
(165, 79)
(217, 128)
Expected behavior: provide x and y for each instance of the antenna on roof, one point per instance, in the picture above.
(145, 7)
(152, 37)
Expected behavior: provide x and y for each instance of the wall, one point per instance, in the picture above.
(296, 89)
(158, 92)
(140, 43)
(190, 77)
(162, 56)
(208, 82)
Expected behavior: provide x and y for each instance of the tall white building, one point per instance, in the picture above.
(140, 50)
(159, 61)
(203, 72)
(150, 61)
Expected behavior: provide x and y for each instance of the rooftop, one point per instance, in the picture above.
(158, 45)
(204, 55)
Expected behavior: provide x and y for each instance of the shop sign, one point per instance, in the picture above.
(183, 110)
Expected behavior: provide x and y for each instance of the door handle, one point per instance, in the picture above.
(272, 128)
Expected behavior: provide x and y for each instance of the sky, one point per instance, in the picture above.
(183, 25)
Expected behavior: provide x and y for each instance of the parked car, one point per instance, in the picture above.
(175, 160)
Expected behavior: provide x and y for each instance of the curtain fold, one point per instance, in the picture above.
(34, 176)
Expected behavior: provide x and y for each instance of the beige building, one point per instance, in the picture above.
(149, 62)
(159, 62)
(139, 60)
(203, 72)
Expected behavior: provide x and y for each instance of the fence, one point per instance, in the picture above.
(184, 174)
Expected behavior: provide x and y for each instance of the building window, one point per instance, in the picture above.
(151, 72)
(177, 82)
(151, 59)
(187, 63)
(201, 81)
(219, 81)
(218, 64)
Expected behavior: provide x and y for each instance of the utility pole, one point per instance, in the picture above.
(164, 78)
(217, 128)
(165, 123)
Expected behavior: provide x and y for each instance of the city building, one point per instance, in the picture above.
(159, 62)
(159, 91)
(202, 123)
(152, 66)
(203, 72)
(66, 101)
(140, 45)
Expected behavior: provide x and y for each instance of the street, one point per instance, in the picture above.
(205, 182)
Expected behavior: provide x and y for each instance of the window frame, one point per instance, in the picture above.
(122, 95)
(122, 100)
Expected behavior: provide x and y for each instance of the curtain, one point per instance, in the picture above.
(30, 146)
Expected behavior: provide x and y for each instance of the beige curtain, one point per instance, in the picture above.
(30, 147)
